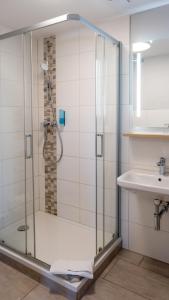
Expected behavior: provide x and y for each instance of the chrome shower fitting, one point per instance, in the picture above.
(162, 164)
(161, 207)
(47, 124)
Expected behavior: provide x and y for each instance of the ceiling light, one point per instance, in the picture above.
(141, 46)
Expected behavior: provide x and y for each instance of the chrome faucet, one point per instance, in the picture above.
(162, 165)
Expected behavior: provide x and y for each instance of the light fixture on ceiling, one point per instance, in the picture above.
(141, 46)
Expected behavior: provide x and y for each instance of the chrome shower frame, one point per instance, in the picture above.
(103, 258)
(60, 19)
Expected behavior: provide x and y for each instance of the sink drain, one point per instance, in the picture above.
(23, 228)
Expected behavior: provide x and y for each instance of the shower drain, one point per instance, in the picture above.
(23, 228)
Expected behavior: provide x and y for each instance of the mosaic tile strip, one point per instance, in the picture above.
(50, 114)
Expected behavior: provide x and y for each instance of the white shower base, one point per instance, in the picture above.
(56, 238)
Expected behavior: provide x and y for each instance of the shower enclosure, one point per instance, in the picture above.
(59, 128)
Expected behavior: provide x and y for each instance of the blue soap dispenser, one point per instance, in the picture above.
(61, 117)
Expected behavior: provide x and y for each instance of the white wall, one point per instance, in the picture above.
(137, 208)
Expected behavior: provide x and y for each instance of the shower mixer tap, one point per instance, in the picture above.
(162, 165)
(47, 123)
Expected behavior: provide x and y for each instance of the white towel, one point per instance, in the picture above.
(83, 268)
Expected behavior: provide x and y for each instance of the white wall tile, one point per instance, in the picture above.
(68, 212)
(87, 119)
(110, 147)
(11, 119)
(11, 67)
(110, 174)
(124, 205)
(87, 197)
(67, 93)
(125, 118)
(68, 169)
(87, 40)
(42, 192)
(67, 68)
(110, 123)
(68, 192)
(87, 171)
(124, 89)
(147, 241)
(13, 170)
(67, 43)
(87, 145)
(125, 234)
(12, 145)
(87, 218)
(87, 65)
(87, 92)
(71, 144)
(11, 93)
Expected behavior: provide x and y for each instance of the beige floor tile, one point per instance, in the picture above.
(130, 256)
(136, 279)
(43, 293)
(13, 284)
(109, 267)
(104, 290)
(155, 266)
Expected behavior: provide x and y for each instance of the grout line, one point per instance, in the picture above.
(131, 291)
(30, 291)
(130, 262)
(141, 262)
(116, 259)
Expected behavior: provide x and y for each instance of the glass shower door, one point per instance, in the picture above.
(15, 146)
(31, 157)
(100, 48)
(107, 77)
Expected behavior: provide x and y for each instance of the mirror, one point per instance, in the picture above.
(150, 70)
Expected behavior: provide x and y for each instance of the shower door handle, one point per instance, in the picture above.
(28, 146)
(99, 145)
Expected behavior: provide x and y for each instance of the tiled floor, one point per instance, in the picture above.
(130, 276)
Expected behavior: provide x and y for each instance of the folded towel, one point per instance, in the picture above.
(82, 268)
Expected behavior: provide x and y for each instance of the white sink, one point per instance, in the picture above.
(144, 181)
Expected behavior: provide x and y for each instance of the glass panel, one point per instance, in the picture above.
(111, 79)
(107, 62)
(31, 160)
(100, 69)
(64, 73)
(12, 155)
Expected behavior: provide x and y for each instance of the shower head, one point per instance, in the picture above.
(44, 66)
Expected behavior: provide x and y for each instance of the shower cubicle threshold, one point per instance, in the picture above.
(40, 272)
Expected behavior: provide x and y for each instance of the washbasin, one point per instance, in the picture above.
(143, 180)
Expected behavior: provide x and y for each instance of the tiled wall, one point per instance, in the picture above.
(49, 151)
(75, 93)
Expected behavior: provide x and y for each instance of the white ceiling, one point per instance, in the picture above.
(21, 13)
